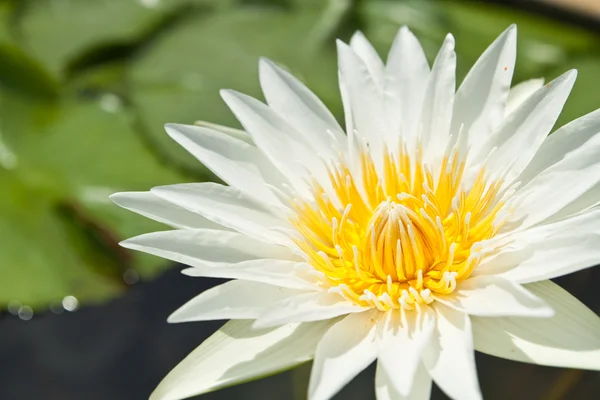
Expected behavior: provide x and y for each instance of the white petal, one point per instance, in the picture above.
(304, 307)
(493, 296)
(570, 339)
(568, 160)
(369, 56)
(364, 97)
(226, 206)
(521, 92)
(450, 358)
(236, 162)
(402, 338)
(512, 146)
(201, 247)
(421, 388)
(406, 76)
(436, 115)
(237, 353)
(287, 274)
(480, 100)
(235, 299)
(555, 188)
(220, 254)
(151, 206)
(549, 251)
(348, 118)
(233, 132)
(301, 108)
(283, 145)
(586, 202)
(346, 349)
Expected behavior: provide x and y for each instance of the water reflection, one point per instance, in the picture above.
(110, 102)
(70, 303)
(25, 313)
(57, 307)
(13, 307)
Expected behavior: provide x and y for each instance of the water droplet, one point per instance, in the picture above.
(131, 277)
(57, 307)
(70, 303)
(13, 307)
(110, 102)
(25, 313)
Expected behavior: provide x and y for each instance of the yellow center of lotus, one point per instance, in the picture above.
(398, 235)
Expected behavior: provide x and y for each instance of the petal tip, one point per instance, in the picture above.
(174, 318)
(450, 39)
(265, 64)
(573, 72)
(340, 44)
(116, 197)
(568, 78)
(127, 243)
(357, 35)
(174, 130)
(229, 95)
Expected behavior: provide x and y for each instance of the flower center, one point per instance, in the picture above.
(397, 235)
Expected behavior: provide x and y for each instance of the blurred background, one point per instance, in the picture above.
(85, 88)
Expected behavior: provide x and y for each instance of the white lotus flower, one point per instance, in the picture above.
(427, 231)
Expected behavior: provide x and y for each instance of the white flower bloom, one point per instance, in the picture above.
(428, 230)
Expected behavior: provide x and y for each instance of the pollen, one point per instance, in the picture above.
(398, 233)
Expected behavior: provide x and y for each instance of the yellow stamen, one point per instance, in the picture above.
(402, 234)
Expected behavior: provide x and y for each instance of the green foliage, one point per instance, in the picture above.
(86, 86)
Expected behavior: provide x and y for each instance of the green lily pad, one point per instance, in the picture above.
(39, 265)
(18, 71)
(60, 31)
(178, 78)
(59, 230)
(7, 13)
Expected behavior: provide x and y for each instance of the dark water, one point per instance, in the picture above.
(121, 350)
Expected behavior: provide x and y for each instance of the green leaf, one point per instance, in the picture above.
(38, 263)
(18, 71)
(179, 77)
(59, 230)
(7, 14)
(59, 32)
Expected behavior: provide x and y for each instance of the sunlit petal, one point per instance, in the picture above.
(449, 358)
(421, 386)
(346, 349)
(151, 206)
(570, 339)
(235, 299)
(237, 353)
